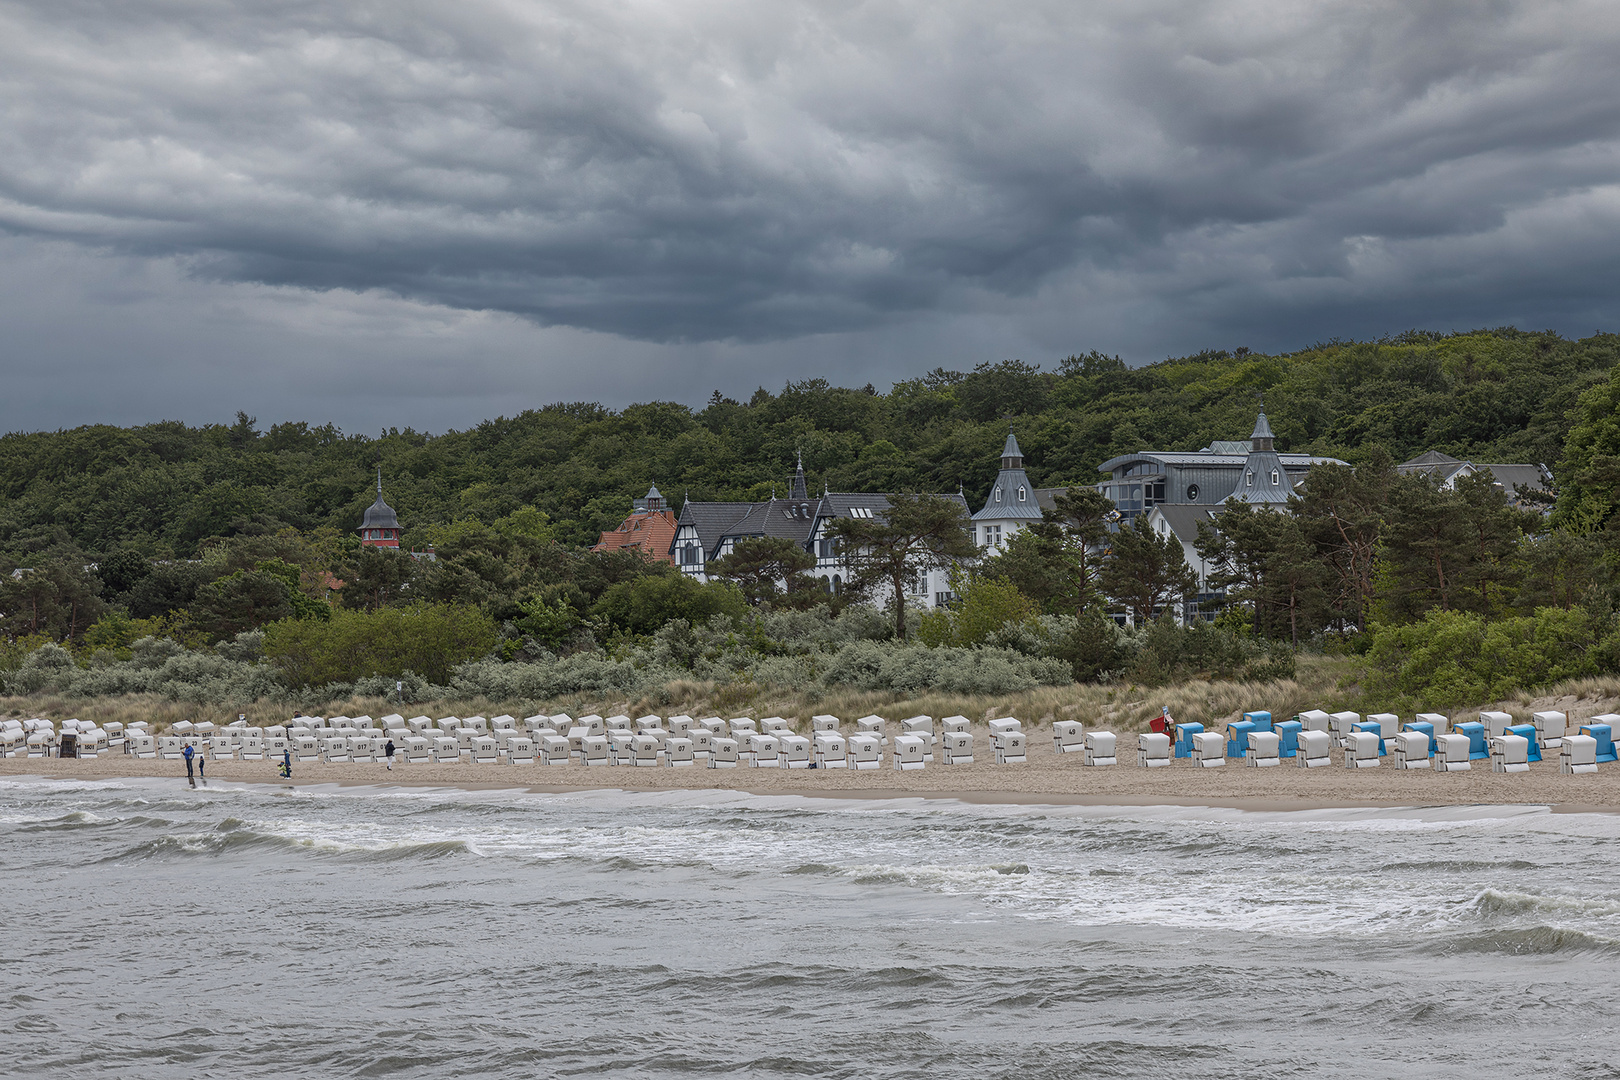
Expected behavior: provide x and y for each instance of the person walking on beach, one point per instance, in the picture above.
(188, 753)
(286, 764)
(389, 751)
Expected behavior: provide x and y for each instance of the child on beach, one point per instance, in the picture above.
(285, 768)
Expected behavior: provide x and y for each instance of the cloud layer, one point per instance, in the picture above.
(1140, 175)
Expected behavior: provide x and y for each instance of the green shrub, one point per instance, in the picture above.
(1459, 658)
(429, 639)
(1164, 652)
(866, 665)
(643, 605)
(986, 609)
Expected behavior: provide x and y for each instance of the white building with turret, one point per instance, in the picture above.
(1013, 503)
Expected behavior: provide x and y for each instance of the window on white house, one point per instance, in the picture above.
(1275, 479)
(998, 494)
(1251, 478)
(1023, 495)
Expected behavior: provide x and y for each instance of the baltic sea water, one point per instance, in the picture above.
(263, 931)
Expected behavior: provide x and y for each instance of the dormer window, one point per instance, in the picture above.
(1275, 479)
(1251, 478)
(1022, 495)
(998, 494)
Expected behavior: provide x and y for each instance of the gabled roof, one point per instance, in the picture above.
(837, 504)
(1429, 457)
(711, 520)
(1511, 476)
(786, 518)
(1444, 467)
(1183, 518)
(1046, 498)
(875, 505)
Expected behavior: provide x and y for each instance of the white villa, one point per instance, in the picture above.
(707, 531)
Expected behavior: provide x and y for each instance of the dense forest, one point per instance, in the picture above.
(222, 561)
(163, 488)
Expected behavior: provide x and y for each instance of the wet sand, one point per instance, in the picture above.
(1048, 777)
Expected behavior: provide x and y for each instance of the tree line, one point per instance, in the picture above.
(201, 534)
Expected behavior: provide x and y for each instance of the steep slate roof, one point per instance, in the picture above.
(1183, 518)
(1265, 477)
(1046, 498)
(1511, 476)
(1008, 481)
(839, 504)
(1441, 466)
(711, 521)
(1258, 468)
(1444, 467)
(785, 518)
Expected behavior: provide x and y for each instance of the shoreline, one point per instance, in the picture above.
(1049, 779)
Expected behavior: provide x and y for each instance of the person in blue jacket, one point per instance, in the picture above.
(191, 770)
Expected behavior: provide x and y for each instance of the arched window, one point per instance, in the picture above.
(838, 584)
(1275, 479)
(998, 494)
(1251, 478)
(1022, 494)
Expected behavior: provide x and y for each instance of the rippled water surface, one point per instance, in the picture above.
(157, 932)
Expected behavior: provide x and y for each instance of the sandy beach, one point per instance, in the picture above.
(1048, 777)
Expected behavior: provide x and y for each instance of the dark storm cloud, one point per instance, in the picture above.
(699, 171)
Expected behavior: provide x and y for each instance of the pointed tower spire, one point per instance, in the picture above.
(799, 491)
(1262, 439)
(1011, 456)
(1265, 480)
(1011, 498)
(379, 481)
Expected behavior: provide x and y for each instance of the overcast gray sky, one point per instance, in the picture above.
(428, 212)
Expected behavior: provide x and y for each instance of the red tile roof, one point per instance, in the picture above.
(650, 532)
